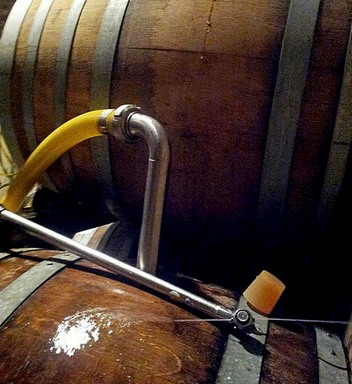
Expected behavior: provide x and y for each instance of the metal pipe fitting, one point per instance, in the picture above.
(119, 126)
(129, 124)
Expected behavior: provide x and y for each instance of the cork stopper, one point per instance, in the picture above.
(264, 292)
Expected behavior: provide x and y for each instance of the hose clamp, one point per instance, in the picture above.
(120, 123)
(102, 121)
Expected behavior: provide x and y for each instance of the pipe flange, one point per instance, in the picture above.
(120, 123)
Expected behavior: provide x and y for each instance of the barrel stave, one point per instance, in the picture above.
(291, 355)
(317, 118)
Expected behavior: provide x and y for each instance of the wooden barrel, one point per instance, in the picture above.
(208, 72)
(253, 95)
(65, 320)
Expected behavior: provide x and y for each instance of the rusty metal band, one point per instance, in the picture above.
(286, 105)
(29, 67)
(61, 70)
(17, 292)
(331, 357)
(101, 83)
(28, 79)
(8, 43)
(243, 356)
(340, 147)
(3, 255)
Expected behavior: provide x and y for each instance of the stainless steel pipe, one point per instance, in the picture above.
(154, 134)
(129, 125)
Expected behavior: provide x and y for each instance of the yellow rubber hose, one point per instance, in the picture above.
(58, 142)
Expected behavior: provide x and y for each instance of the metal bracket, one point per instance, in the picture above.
(243, 356)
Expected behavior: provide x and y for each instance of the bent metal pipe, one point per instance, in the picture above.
(132, 125)
(129, 125)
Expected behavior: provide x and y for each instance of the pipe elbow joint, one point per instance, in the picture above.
(153, 133)
(129, 125)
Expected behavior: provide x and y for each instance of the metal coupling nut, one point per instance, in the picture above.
(243, 320)
(120, 122)
(102, 121)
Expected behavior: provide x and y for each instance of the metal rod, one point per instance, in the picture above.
(143, 278)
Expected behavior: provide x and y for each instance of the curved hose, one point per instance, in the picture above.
(50, 149)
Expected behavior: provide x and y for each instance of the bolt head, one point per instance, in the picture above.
(243, 316)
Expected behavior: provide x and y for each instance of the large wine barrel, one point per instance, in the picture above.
(252, 95)
(65, 320)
